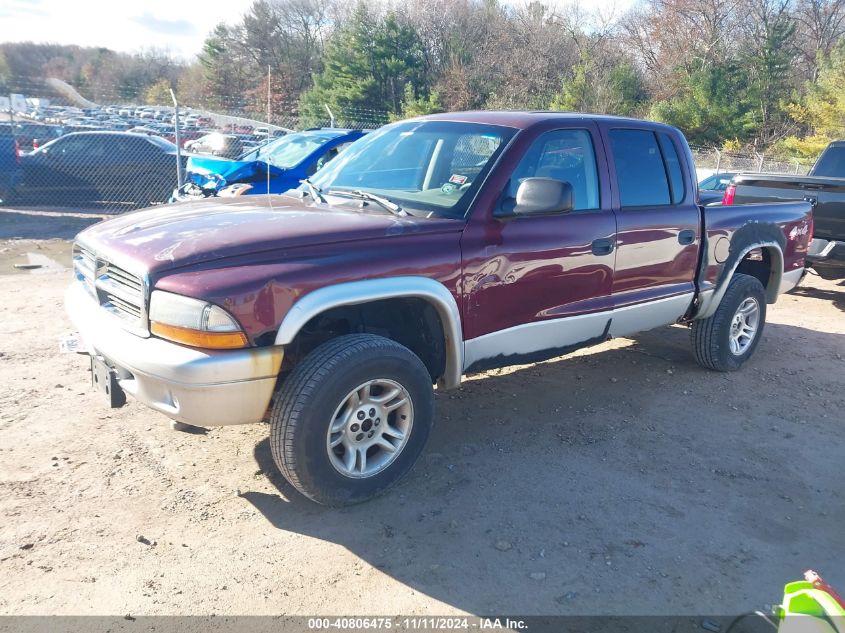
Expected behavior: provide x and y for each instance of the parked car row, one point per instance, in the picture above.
(138, 168)
(115, 156)
(155, 120)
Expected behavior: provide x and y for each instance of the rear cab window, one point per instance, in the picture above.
(648, 168)
(831, 164)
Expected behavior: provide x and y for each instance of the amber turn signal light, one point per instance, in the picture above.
(197, 338)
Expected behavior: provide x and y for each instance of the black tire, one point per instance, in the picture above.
(711, 337)
(309, 397)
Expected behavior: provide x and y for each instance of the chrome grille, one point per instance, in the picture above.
(84, 266)
(117, 290)
(122, 308)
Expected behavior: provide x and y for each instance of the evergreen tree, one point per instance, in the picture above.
(413, 106)
(715, 106)
(367, 65)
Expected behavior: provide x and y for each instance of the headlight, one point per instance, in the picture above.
(194, 322)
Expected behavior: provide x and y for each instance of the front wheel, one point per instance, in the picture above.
(728, 338)
(351, 419)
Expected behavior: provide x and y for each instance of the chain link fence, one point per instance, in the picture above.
(66, 152)
(120, 152)
(709, 161)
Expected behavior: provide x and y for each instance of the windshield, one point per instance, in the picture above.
(831, 163)
(289, 150)
(432, 166)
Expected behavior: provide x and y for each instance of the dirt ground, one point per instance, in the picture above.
(620, 479)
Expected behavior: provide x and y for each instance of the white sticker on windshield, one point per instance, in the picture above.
(457, 179)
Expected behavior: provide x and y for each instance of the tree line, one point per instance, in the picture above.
(736, 74)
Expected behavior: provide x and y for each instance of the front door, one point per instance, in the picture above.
(537, 286)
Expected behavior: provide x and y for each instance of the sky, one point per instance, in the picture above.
(179, 26)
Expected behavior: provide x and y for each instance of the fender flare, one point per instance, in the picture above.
(711, 301)
(365, 291)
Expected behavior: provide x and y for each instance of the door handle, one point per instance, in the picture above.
(687, 236)
(602, 246)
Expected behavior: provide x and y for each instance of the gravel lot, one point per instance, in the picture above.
(619, 479)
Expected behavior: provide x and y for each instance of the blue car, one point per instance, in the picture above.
(288, 160)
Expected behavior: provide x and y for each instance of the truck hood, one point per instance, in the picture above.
(173, 236)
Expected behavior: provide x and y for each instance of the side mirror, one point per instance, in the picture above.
(543, 196)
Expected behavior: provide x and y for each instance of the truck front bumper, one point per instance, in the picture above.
(194, 386)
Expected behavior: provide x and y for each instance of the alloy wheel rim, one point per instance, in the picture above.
(744, 326)
(370, 428)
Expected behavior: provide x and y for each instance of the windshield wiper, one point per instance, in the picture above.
(383, 202)
(314, 191)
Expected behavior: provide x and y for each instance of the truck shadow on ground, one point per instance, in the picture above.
(836, 297)
(629, 468)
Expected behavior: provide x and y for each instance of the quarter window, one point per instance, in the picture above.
(673, 167)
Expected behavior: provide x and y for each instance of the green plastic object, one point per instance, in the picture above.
(810, 606)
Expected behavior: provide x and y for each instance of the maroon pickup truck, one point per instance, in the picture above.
(430, 249)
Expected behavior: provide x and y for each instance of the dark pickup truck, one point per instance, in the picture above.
(10, 162)
(429, 249)
(824, 187)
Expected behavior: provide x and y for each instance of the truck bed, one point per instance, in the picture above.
(828, 193)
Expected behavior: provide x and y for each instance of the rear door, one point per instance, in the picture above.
(658, 226)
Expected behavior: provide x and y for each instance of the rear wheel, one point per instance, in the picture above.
(351, 419)
(727, 339)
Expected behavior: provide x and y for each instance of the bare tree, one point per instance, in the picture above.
(821, 24)
(679, 37)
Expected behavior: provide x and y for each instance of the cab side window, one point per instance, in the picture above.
(648, 170)
(565, 155)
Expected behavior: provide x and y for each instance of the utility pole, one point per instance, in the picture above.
(269, 78)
